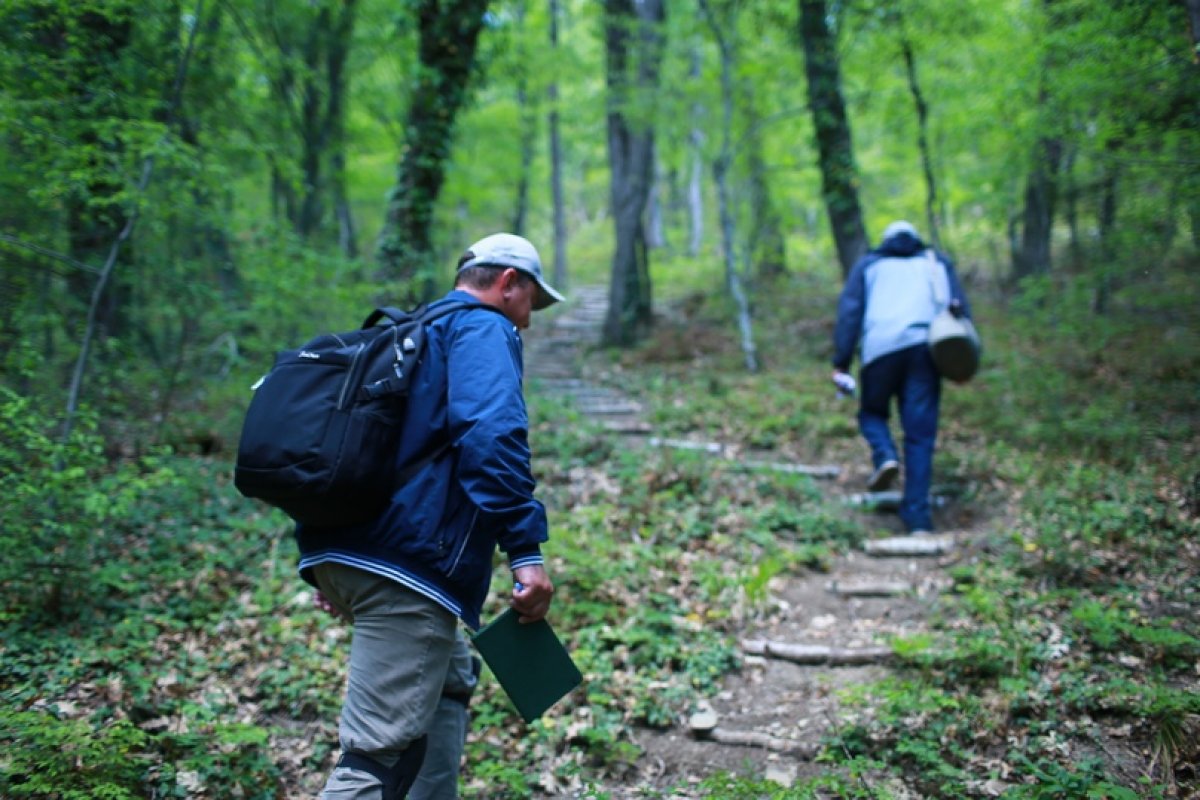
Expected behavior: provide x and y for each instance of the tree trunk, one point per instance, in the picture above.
(449, 35)
(209, 241)
(1193, 9)
(1033, 256)
(347, 233)
(633, 65)
(528, 130)
(721, 172)
(1191, 185)
(338, 87)
(656, 237)
(1107, 220)
(695, 189)
(931, 194)
(1071, 209)
(834, 146)
(313, 130)
(766, 244)
(556, 169)
(1041, 190)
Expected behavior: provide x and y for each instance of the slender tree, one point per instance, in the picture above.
(1032, 255)
(556, 161)
(932, 218)
(556, 164)
(528, 113)
(1193, 10)
(723, 29)
(695, 156)
(839, 177)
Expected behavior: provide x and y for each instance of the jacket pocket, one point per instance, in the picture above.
(454, 534)
(462, 544)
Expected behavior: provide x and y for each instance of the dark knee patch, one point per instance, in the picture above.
(397, 779)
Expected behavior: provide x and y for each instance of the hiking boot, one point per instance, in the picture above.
(882, 478)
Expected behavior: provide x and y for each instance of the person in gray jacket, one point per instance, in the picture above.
(406, 578)
(885, 310)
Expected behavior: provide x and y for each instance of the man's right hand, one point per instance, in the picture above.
(844, 382)
(532, 599)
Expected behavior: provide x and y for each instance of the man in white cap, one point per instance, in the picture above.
(886, 307)
(406, 578)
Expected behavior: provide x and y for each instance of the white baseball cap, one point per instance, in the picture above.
(510, 250)
(898, 227)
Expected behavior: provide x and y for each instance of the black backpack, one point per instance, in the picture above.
(322, 431)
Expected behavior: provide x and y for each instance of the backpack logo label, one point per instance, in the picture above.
(310, 354)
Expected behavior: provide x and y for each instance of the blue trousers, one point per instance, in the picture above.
(909, 376)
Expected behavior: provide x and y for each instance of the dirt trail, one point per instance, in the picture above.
(780, 707)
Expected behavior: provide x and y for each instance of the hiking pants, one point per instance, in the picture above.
(909, 376)
(409, 672)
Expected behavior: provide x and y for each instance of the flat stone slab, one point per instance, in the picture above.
(885, 501)
(630, 425)
(604, 408)
(816, 653)
(724, 451)
(910, 545)
(870, 588)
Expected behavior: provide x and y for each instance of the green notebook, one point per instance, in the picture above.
(529, 661)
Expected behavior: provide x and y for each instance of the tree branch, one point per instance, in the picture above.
(48, 253)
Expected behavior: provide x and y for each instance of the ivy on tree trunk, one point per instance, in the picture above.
(839, 177)
(449, 35)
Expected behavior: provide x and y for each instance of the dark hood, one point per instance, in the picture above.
(902, 245)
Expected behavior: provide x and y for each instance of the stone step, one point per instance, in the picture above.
(925, 545)
(862, 587)
(606, 408)
(886, 501)
(817, 653)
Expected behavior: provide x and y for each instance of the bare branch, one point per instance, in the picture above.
(48, 253)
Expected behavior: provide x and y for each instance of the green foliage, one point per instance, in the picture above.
(1053, 780)
(49, 755)
(733, 787)
(74, 759)
(57, 560)
(224, 759)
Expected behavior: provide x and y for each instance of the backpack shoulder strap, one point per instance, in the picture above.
(424, 313)
(939, 281)
(394, 314)
(441, 309)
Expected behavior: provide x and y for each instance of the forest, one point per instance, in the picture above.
(189, 186)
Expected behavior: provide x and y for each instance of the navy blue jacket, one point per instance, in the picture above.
(889, 300)
(441, 531)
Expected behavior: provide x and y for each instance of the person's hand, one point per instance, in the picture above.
(322, 603)
(532, 592)
(844, 382)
